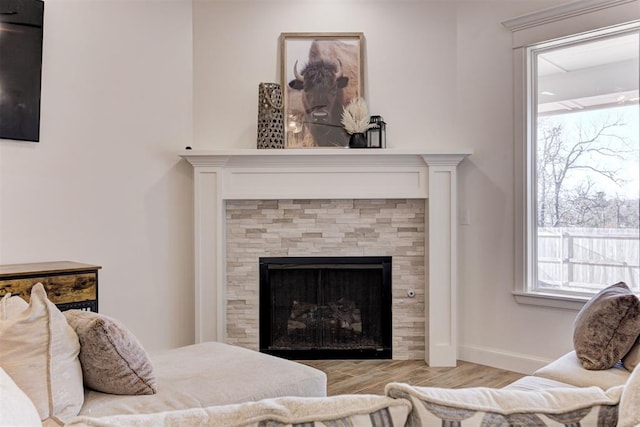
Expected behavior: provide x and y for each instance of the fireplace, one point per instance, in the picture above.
(326, 307)
(427, 175)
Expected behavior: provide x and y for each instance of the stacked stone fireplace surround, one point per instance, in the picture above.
(250, 203)
(337, 227)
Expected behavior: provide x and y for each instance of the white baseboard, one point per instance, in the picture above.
(516, 362)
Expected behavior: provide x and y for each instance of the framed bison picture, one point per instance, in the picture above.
(321, 73)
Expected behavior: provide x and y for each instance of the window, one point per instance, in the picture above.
(578, 141)
(583, 151)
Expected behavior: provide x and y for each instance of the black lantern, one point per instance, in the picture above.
(376, 135)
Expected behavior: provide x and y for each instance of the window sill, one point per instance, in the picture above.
(562, 302)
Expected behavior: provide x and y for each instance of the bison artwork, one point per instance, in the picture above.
(322, 85)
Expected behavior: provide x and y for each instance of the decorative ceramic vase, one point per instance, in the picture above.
(358, 140)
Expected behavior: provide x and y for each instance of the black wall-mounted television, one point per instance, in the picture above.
(21, 24)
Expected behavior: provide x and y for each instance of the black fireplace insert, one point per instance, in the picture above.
(326, 307)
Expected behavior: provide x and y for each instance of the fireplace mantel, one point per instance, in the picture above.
(251, 174)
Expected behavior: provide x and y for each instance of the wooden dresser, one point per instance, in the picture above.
(68, 284)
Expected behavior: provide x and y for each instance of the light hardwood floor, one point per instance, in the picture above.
(370, 376)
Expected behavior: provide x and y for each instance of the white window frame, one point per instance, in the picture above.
(562, 21)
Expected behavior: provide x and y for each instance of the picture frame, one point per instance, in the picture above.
(320, 74)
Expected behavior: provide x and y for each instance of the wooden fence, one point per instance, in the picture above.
(586, 259)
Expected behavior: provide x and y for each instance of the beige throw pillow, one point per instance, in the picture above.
(606, 327)
(113, 361)
(10, 307)
(39, 351)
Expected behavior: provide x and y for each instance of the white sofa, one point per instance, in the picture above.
(592, 385)
(210, 374)
(59, 360)
(560, 391)
(214, 384)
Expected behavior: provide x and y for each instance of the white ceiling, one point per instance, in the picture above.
(588, 75)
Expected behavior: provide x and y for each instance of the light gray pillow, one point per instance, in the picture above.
(606, 327)
(113, 360)
(16, 409)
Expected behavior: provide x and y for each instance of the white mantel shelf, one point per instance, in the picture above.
(324, 152)
(326, 173)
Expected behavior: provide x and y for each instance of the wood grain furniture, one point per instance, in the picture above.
(69, 285)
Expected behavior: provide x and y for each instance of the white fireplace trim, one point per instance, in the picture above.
(251, 174)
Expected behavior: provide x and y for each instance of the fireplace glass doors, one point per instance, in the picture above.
(326, 307)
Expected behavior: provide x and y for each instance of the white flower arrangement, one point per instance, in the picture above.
(355, 117)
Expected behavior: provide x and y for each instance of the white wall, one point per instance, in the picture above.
(410, 55)
(494, 329)
(104, 185)
(440, 73)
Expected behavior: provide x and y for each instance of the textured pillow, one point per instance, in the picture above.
(112, 359)
(16, 409)
(480, 406)
(39, 351)
(606, 327)
(632, 359)
(343, 410)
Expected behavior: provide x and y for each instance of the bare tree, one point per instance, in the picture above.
(593, 147)
(623, 213)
